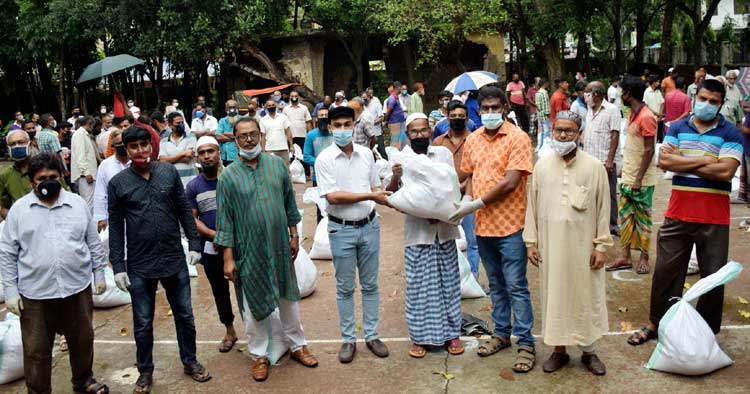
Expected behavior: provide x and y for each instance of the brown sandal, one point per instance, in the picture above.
(525, 361)
(493, 345)
(455, 347)
(417, 351)
(227, 345)
(259, 369)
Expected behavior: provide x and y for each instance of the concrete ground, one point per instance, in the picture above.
(628, 297)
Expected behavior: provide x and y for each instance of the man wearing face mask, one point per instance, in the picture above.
(454, 140)
(732, 108)
(14, 179)
(567, 236)
(339, 101)
(225, 134)
(498, 158)
(404, 98)
(17, 122)
(276, 135)
(203, 123)
(326, 103)
(280, 103)
(433, 280)
(74, 115)
(365, 132)
(638, 177)
(47, 139)
(441, 112)
(83, 160)
(147, 200)
(49, 250)
(110, 167)
(30, 128)
(260, 241)
(704, 152)
(178, 148)
(349, 181)
(300, 123)
(317, 140)
(601, 137)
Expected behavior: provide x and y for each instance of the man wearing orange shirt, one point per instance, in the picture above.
(498, 158)
(668, 83)
(559, 100)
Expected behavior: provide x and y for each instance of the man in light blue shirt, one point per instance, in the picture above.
(317, 139)
(49, 248)
(225, 133)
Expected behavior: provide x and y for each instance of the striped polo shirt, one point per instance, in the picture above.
(695, 199)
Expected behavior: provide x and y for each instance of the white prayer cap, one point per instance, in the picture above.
(735, 72)
(413, 117)
(671, 69)
(206, 139)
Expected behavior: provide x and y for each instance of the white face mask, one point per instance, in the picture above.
(563, 148)
(589, 98)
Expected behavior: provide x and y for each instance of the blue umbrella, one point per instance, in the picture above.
(472, 80)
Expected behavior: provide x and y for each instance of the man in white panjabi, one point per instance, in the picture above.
(567, 234)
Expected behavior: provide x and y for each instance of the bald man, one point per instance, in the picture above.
(365, 132)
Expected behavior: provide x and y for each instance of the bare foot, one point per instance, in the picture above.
(622, 263)
(643, 265)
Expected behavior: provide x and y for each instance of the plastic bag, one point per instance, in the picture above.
(104, 237)
(312, 196)
(321, 249)
(469, 286)
(11, 349)
(113, 296)
(307, 273)
(461, 242)
(687, 346)
(2, 291)
(430, 190)
(297, 172)
(297, 152)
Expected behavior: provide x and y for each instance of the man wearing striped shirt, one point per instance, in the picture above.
(704, 152)
(542, 113)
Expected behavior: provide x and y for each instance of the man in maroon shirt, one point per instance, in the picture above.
(676, 103)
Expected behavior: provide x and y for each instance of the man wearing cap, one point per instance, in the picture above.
(259, 237)
(147, 205)
(433, 280)
(201, 194)
(348, 179)
(732, 108)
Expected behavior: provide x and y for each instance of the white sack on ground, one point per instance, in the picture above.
(307, 273)
(312, 196)
(297, 172)
(321, 249)
(113, 296)
(469, 286)
(11, 349)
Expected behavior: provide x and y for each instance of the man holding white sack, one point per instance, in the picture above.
(567, 235)
(433, 282)
(348, 179)
(256, 224)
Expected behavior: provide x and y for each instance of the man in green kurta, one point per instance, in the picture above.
(256, 218)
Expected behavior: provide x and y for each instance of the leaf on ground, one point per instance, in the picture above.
(742, 300)
(486, 308)
(626, 326)
(169, 312)
(357, 327)
(445, 375)
(242, 348)
(622, 309)
(123, 332)
(327, 273)
(688, 285)
(507, 374)
(744, 313)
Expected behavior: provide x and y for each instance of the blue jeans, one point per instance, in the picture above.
(472, 250)
(504, 259)
(143, 294)
(545, 130)
(356, 248)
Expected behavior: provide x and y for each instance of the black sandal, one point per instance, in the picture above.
(92, 387)
(144, 383)
(642, 336)
(197, 372)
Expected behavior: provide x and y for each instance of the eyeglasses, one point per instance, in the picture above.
(417, 133)
(558, 131)
(18, 143)
(245, 137)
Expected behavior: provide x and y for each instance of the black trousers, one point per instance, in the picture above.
(674, 245)
(214, 267)
(612, 177)
(521, 115)
(301, 142)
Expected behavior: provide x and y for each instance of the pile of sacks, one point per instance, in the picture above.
(11, 349)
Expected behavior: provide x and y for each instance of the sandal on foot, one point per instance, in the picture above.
(642, 336)
(555, 361)
(493, 345)
(619, 267)
(92, 387)
(525, 359)
(197, 372)
(455, 346)
(417, 351)
(227, 345)
(144, 383)
(259, 369)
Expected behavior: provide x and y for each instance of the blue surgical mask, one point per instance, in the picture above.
(277, 99)
(180, 129)
(198, 114)
(343, 137)
(705, 111)
(250, 154)
(492, 121)
(19, 152)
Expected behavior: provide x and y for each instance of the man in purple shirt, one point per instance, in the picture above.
(394, 116)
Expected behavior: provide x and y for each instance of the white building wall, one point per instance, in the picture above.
(726, 8)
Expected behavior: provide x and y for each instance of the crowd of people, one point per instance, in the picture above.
(224, 186)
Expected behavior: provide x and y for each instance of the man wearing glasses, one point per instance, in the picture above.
(498, 159)
(256, 219)
(567, 236)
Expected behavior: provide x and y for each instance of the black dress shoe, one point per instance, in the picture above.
(378, 348)
(346, 354)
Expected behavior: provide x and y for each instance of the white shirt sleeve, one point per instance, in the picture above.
(100, 194)
(78, 153)
(308, 118)
(287, 124)
(262, 123)
(324, 173)
(374, 177)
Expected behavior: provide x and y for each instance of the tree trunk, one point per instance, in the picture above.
(358, 50)
(665, 53)
(640, 30)
(61, 86)
(552, 55)
(617, 34)
(274, 74)
(48, 99)
(582, 53)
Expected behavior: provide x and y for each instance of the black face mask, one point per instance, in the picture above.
(294, 100)
(49, 189)
(457, 124)
(323, 124)
(271, 110)
(121, 150)
(420, 145)
(232, 112)
(31, 134)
